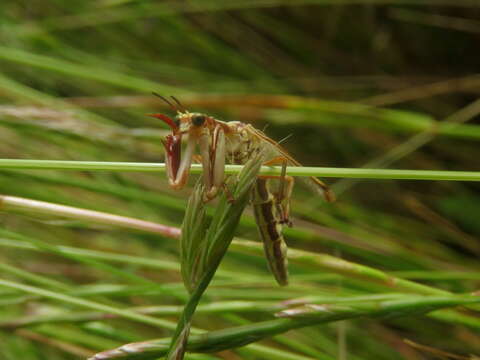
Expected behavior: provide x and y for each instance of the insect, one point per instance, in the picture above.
(235, 142)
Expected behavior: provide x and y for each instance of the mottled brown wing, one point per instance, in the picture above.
(312, 182)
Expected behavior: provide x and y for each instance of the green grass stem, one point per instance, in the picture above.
(384, 174)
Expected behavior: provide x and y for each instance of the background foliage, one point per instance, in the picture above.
(352, 82)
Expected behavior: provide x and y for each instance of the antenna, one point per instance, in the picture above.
(181, 107)
(174, 108)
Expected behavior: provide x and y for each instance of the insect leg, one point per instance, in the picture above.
(172, 146)
(216, 163)
(220, 154)
(178, 178)
(178, 169)
(204, 146)
(284, 193)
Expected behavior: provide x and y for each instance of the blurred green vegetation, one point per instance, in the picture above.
(389, 83)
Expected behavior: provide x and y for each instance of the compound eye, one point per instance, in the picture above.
(198, 120)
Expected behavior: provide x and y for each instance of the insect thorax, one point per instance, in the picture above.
(240, 144)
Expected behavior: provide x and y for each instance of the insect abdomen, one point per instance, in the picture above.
(270, 229)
